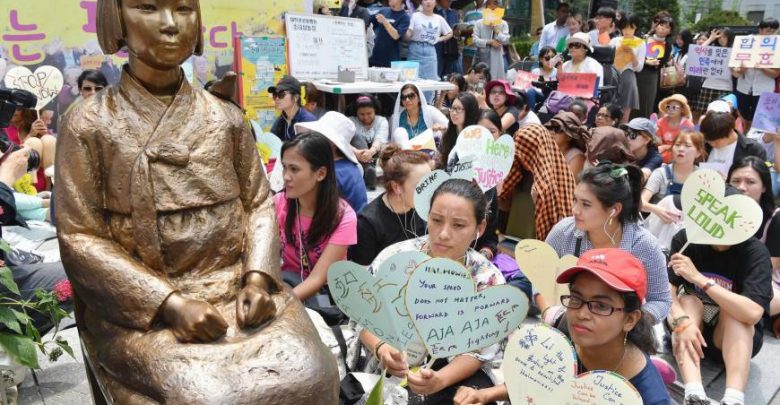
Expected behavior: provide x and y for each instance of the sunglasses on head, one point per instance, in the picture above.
(576, 45)
(408, 96)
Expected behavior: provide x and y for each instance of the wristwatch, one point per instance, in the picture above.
(710, 282)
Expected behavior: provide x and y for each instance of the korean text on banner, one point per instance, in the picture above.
(708, 61)
(767, 117)
(524, 80)
(755, 51)
(260, 62)
(578, 84)
(319, 45)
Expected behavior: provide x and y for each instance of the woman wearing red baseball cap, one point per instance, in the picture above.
(605, 323)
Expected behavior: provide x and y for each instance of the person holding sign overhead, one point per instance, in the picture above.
(606, 215)
(456, 219)
(606, 324)
(718, 312)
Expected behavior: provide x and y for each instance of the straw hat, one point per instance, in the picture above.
(686, 110)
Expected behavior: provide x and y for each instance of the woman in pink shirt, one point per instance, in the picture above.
(316, 225)
(675, 117)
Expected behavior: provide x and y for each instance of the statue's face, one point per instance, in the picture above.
(161, 33)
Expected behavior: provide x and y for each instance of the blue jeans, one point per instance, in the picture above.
(425, 54)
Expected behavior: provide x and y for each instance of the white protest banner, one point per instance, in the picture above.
(452, 317)
(767, 116)
(319, 45)
(755, 51)
(708, 61)
(423, 191)
(376, 302)
(45, 83)
(541, 264)
(711, 218)
(492, 157)
(540, 367)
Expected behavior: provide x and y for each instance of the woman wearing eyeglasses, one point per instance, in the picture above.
(287, 99)
(606, 215)
(643, 142)
(412, 116)
(675, 117)
(609, 115)
(464, 112)
(545, 71)
(501, 98)
(606, 324)
(579, 46)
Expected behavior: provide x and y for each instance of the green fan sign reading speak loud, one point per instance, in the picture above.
(710, 217)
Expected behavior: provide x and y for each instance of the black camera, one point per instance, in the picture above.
(10, 101)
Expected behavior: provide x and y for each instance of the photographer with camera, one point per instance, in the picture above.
(15, 161)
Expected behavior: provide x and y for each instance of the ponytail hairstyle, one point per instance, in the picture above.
(612, 183)
(450, 137)
(328, 214)
(395, 163)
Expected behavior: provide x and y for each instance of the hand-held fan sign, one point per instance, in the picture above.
(376, 302)
(45, 83)
(492, 157)
(541, 264)
(710, 217)
(540, 367)
(423, 191)
(452, 317)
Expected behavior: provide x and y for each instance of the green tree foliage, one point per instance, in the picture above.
(646, 9)
(719, 18)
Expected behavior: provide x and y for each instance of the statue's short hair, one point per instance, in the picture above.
(111, 27)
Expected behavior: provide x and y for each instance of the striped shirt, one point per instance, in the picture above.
(637, 241)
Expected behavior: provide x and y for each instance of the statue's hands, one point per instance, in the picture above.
(254, 304)
(193, 320)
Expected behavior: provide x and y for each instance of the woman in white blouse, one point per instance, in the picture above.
(579, 46)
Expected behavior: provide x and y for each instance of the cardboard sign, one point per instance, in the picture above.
(540, 367)
(452, 317)
(624, 53)
(377, 302)
(423, 191)
(45, 83)
(492, 157)
(578, 84)
(524, 80)
(708, 61)
(92, 61)
(755, 51)
(712, 219)
(767, 117)
(541, 264)
(655, 49)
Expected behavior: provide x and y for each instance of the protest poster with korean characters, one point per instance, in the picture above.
(755, 51)
(492, 156)
(540, 367)
(767, 116)
(708, 61)
(454, 314)
(710, 217)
